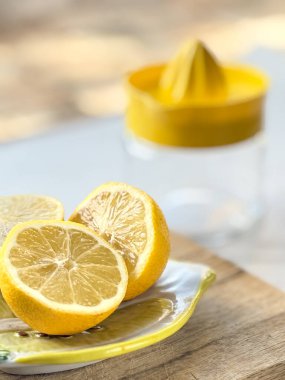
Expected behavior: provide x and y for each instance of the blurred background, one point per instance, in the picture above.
(64, 59)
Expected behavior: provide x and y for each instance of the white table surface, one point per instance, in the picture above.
(70, 162)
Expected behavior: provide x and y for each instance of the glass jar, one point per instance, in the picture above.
(208, 194)
(194, 141)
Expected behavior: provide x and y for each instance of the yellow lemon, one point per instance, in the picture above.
(60, 277)
(134, 225)
(22, 208)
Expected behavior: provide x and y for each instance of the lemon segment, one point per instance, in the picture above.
(134, 225)
(60, 277)
(21, 208)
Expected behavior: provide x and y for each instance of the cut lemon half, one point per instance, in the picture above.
(134, 225)
(22, 208)
(60, 277)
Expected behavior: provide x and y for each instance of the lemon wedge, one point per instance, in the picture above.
(134, 225)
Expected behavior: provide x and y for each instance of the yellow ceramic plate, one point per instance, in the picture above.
(138, 323)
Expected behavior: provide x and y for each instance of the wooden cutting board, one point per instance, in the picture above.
(237, 332)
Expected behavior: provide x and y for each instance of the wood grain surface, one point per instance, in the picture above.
(237, 332)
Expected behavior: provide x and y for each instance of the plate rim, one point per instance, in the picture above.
(92, 354)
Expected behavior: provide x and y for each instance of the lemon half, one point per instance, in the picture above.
(61, 277)
(22, 208)
(131, 221)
